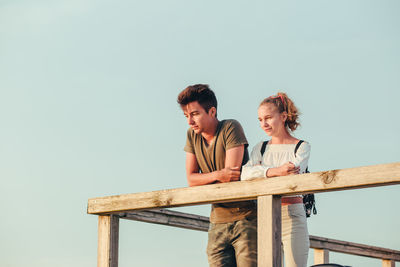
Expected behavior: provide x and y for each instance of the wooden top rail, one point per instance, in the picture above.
(360, 177)
(201, 223)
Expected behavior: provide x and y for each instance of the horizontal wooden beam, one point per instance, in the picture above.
(201, 223)
(361, 177)
(354, 248)
(170, 218)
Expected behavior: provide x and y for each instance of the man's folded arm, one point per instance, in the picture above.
(231, 172)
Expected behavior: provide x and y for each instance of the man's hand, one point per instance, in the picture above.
(234, 157)
(229, 174)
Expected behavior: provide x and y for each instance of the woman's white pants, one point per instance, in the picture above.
(295, 239)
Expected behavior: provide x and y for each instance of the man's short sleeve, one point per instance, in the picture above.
(189, 142)
(234, 135)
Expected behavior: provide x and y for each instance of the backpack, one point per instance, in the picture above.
(308, 199)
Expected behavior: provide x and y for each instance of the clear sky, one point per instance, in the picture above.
(88, 108)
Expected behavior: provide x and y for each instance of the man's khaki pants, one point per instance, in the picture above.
(233, 244)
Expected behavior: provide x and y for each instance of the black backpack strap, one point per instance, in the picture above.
(308, 199)
(297, 146)
(264, 145)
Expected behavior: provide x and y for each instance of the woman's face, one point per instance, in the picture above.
(271, 121)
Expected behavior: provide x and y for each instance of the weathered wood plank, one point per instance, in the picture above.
(170, 218)
(361, 177)
(108, 233)
(388, 263)
(321, 256)
(353, 248)
(269, 228)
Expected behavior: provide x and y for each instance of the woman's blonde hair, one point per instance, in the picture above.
(284, 104)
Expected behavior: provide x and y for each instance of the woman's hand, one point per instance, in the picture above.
(289, 168)
(286, 169)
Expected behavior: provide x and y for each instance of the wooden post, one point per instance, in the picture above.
(388, 263)
(108, 232)
(321, 256)
(269, 231)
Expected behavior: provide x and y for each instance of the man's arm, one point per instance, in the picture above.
(234, 157)
(231, 172)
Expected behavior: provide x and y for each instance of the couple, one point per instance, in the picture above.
(216, 152)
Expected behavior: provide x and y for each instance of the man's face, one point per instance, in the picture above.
(198, 119)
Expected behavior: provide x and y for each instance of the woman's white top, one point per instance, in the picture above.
(275, 155)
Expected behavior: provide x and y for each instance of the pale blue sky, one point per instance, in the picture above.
(88, 108)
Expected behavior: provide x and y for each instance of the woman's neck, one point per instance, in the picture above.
(283, 138)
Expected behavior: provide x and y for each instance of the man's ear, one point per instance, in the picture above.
(212, 112)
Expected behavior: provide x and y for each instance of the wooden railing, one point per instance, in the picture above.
(321, 245)
(268, 193)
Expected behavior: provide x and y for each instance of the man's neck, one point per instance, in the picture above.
(209, 134)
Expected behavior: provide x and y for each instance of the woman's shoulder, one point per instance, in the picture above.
(257, 147)
(304, 142)
(305, 145)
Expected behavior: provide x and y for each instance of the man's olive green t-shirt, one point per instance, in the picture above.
(211, 157)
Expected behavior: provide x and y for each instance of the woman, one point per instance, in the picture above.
(283, 155)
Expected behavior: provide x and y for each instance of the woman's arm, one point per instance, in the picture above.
(254, 167)
(299, 164)
(302, 156)
(286, 169)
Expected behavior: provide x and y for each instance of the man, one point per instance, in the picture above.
(215, 152)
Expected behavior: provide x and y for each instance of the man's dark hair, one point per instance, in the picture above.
(200, 93)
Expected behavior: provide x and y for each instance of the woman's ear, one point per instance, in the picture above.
(284, 116)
